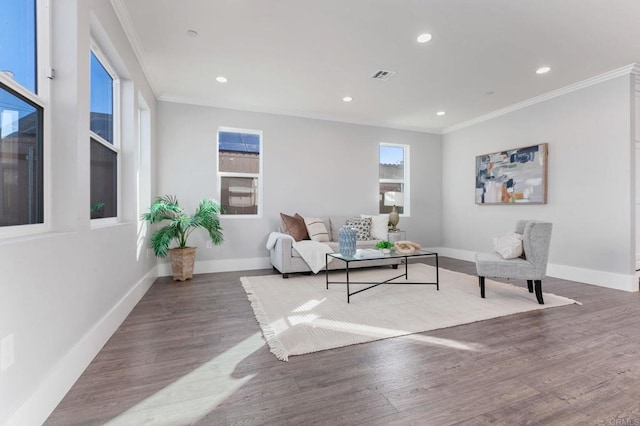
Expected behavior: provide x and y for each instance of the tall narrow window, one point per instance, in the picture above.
(240, 171)
(394, 178)
(21, 118)
(103, 140)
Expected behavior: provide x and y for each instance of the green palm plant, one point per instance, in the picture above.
(181, 225)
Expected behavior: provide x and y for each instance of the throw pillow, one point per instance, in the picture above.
(509, 246)
(379, 226)
(294, 226)
(362, 227)
(316, 229)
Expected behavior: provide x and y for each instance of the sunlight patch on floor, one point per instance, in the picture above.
(308, 305)
(301, 319)
(438, 341)
(381, 332)
(194, 395)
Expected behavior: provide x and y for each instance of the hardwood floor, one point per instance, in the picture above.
(193, 354)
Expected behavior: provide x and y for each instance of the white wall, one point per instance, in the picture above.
(312, 167)
(590, 183)
(63, 293)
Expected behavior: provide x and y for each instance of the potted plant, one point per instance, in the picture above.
(385, 246)
(178, 227)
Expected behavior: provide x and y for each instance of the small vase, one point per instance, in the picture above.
(347, 240)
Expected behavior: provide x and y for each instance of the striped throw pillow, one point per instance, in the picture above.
(316, 229)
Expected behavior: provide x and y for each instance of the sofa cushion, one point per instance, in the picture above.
(337, 222)
(294, 226)
(316, 229)
(379, 226)
(362, 227)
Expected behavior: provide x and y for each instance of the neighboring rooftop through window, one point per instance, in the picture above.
(239, 142)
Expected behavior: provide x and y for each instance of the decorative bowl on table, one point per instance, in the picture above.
(406, 247)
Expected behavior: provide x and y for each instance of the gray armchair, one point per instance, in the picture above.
(533, 267)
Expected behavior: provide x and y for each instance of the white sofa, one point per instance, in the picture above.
(287, 260)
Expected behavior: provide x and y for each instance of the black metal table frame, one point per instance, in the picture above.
(403, 259)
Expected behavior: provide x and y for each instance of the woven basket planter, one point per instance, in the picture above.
(182, 261)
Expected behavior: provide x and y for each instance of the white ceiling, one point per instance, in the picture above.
(301, 57)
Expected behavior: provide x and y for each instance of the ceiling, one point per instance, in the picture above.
(301, 57)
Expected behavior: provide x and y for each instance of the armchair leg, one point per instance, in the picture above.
(539, 292)
(530, 285)
(481, 282)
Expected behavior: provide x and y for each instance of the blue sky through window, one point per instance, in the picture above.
(391, 154)
(18, 41)
(101, 88)
(101, 100)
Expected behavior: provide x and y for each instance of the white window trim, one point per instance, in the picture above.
(406, 209)
(116, 145)
(41, 98)
(258, 175)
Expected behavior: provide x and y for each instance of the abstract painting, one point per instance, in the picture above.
(514, 176)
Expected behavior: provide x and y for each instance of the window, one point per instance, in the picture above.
(103, 140)
(394, 178)
(240, 171)
(21, 195)
(21, 118)
(18, 42)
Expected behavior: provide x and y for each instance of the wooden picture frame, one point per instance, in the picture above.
(512, 176)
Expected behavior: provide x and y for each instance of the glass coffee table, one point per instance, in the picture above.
(404, 260)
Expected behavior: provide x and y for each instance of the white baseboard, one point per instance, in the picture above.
(39, 406)
(591, 276)
(572, 273)
(223, 265)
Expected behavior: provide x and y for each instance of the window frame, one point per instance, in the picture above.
(116, 146)
(258, 175)
(40, 98)
(406, 209)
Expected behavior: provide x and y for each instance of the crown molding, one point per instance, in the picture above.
(134, 40)
(626, 70)
(322, 117)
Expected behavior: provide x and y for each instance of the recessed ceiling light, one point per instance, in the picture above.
(543, 70)
(423, 38)
(8, 73)
(192, 33)
(221, 79)
(441, 113)
(347, 99)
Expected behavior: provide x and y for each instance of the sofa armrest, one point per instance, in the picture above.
(281, 254)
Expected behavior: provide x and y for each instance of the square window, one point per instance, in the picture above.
(239, 195)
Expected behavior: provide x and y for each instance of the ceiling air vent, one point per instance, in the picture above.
(383, 75)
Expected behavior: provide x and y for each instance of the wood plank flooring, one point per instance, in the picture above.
(193, 354)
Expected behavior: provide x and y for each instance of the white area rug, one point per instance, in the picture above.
(299, 315)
